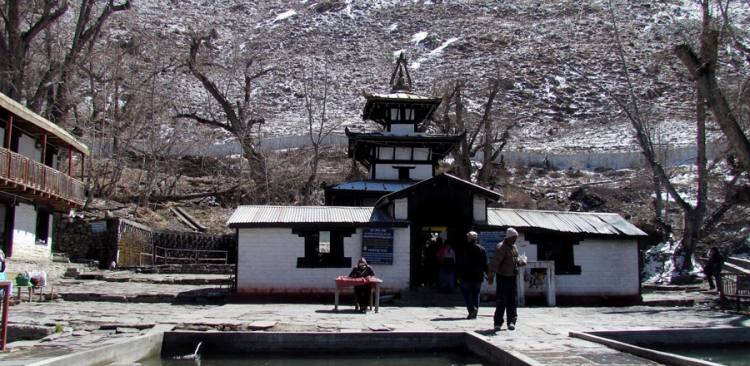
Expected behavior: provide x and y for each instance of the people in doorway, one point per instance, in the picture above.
(470, 271)
(504, 268)
(362, 292)
(429, 264)
(446, 259)
(713, 268)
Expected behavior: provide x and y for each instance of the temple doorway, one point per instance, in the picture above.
(437, 213)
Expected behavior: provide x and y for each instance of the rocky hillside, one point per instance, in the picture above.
(557, 57)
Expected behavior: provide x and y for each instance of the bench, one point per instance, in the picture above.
(20, 284)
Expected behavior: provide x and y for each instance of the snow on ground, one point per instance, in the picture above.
(443, 46)
(418, 37)
(284, 15)
(660, 263)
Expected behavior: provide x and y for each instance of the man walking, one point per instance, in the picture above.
(713, 268)
(504, 266)
(470, 272)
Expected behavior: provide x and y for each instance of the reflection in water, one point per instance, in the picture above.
(730, 356)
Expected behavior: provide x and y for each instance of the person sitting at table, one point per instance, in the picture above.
(362, 292)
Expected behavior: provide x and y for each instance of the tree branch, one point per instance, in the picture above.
(205, 121)
(44, 22)
(702, 74)
(226, 106)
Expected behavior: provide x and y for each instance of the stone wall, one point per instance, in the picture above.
(185, 242)
(85, 240)
(131, 244)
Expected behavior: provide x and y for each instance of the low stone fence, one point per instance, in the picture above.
(130, 244)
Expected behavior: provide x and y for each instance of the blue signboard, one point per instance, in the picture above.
(377, 245)
(489, 240)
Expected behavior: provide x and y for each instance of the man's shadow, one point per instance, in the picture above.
(447, 319)
(488, 332)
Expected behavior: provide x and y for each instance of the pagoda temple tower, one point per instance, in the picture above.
(401, 154)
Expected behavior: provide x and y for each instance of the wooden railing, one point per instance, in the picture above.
(18, 169)
(172, 256)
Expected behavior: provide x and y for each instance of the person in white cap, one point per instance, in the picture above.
(504, 266)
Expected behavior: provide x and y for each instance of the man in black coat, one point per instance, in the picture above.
(471, 268)
(713, 268)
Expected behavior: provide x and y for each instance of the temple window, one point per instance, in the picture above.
(403, 153)
(403, 172)
(409, 114)
(395, 114)
(421, 153)
(386, 153)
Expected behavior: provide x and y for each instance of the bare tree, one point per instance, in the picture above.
(48, 93)
(702, 68)
(480, 135)
(237, 117)
(698, 221)
(316, 89)
(22, 23)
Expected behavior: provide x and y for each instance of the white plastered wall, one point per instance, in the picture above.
(24, 235)
(390, 171)
(480, 209)
(401, 209)
(608, 267)
(267, 260)
(27, 148)
(402, 129)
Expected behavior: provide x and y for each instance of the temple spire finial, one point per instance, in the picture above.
(400, 79)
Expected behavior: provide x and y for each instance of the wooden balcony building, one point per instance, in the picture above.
(37, 161)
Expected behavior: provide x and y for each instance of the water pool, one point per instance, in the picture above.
(730, 356)
(338, 359)
(686, 346)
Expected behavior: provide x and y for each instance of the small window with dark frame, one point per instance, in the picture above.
(561, 254)
(324, 242)
(42, 227)
(324, 249)
(403, 173)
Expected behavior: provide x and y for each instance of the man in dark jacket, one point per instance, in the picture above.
(713, 268)
(470, 271)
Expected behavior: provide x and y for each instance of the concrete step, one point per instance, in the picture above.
(202, 296)
(429, 297)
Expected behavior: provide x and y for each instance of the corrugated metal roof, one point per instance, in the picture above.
(377, 186)
(442, 177)
(409, 96)
(563, 221)
(280, 215)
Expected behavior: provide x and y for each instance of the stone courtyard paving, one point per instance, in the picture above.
(542, 332)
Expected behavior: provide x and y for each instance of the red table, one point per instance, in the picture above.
(344, 281)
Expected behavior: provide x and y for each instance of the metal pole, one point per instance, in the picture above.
(4, 331)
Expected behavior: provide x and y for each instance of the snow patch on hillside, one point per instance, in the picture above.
(443, 46)
(660, 263)
(418, 37)
(285, 15)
